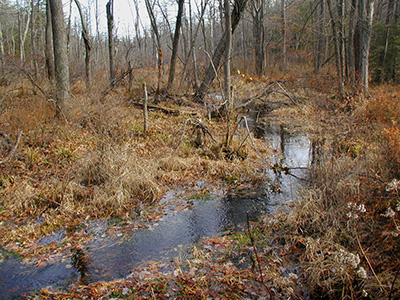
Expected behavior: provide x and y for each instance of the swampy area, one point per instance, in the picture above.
(302, 202)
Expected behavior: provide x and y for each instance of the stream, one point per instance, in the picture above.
(112, 257)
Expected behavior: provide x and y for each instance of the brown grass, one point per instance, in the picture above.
(100, 163)
(348, 200)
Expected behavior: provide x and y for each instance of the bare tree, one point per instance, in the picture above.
(23, 26)
(33, 38)
(257, 14)
(154, 26)
(283, 34)
(319, 22)
(110, 28)
(175, 44)
(88, 46)
(338, 38)
(366, 13)
(62, 94)
(238, 9)
(49, 44)
(227, 87)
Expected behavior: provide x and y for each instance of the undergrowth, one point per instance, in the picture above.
(100, 163)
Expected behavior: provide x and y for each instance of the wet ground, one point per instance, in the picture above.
(108, 257)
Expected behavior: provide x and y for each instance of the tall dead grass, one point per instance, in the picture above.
(100, 163)
(346, 222)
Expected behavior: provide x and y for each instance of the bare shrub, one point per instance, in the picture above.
(330, 267)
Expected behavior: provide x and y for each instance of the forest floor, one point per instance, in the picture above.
(339, 240)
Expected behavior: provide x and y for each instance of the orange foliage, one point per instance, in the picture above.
(393, 136)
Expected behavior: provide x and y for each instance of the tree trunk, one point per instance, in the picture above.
(153, 22)
(227, 87)
(366, 13)
(60, 58)
(191, 52)
(283, 34)
(238, 9)
(319, 35)
(258, 32)
(49, 45)
(340, 32)
(88, 47)
(110, 28)
(350, 66)
(338, 54)
(2, 53)
(175, 44)
(23, 32)
(33, 39)
(388, 25)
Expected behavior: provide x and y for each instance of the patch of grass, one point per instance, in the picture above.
(200, 196)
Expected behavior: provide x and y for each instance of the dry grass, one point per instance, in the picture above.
(345, 224)
(100, 163)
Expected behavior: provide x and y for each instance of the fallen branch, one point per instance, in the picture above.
(14, 147)
(369, 264)
(168, 111)
(253, 143)
(115, 83)
(183, 134)
(392, 287)
(257, 258)
(199, 125)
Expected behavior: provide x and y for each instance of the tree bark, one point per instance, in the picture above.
(366, 13)
(23, 32)
(350, 65)
(258, 32)
(175, 44)
(154, 26)
(338, 54)
(283, 34)
(238, 9)
(319, 35)
(388, 24)
(227, 87)
(110, 28)
(62, 94)
(49, 45)
(88, 47)
(33, 39)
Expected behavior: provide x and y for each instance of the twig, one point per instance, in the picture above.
(29, 76)
(369, 263)
(14, 147)
(183, 133)
(286, 93)
(145, 112)
(252, 141)
(394, 280)
(216, 74)
(204, 128)
(257, 258)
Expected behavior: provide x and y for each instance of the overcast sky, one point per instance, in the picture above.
(124, 14)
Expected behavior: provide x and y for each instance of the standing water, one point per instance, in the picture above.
(113, 257)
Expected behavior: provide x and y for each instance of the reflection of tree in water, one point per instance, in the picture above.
(81, 264)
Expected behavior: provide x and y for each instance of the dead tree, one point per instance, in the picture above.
(237, 12)
(175, 44)
(88, 47)
(110, 27)
(61, 62)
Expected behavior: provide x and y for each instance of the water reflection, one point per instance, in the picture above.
(293, 156)
(113, 257)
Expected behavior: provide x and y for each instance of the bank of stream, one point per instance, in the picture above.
(213, 213)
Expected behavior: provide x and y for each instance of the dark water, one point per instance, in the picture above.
(109, 258)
